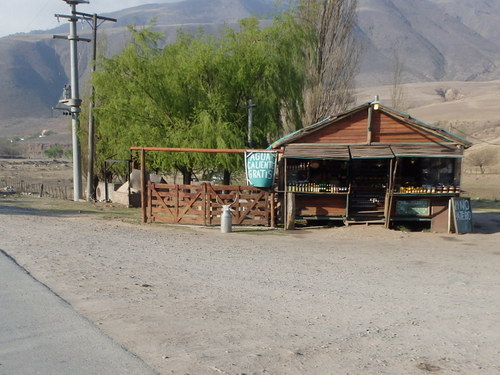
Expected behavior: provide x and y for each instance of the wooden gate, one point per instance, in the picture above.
(202, 204)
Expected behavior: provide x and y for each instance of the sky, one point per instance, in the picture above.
(23, 16)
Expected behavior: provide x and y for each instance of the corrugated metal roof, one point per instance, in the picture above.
(316, 151)
(347, 152)
(430, 150)
(371, 152)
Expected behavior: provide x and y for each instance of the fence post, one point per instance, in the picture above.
(143, 186)
(273, 219)
(149, 202)
(204, 204)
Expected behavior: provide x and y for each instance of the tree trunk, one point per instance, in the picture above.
(226, 180)
(186, 177)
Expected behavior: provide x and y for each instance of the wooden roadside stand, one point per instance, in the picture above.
(370, 164)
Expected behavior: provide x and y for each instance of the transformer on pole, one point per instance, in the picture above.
(74, 102)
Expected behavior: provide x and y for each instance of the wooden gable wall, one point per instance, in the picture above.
(354, 129)
(350, 130)
(386, 129)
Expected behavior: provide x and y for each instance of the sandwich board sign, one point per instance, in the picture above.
(461, 215)
(260, 167)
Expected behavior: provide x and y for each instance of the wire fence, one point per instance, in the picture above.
(60, 190)
(20, 186)
(477, 170)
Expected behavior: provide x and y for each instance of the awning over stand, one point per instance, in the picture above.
(316, 151)
(371, 152)
(430, 151)
(345, 152)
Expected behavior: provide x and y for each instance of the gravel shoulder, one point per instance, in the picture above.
(350, 300)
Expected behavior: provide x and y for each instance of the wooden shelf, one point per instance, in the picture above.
(316, 193)
(425, 194)
(406, 218)
(316, 217)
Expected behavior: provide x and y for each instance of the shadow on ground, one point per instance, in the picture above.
(486, 222)
(6, 209)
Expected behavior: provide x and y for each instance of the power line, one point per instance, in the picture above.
(473, 137)
(38, 13)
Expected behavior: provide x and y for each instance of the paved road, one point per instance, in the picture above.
(40, 334)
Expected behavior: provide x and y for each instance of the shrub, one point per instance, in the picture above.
(54, 152)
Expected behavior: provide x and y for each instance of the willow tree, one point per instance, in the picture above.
(193, 93)
(125, 113)
(333, 55)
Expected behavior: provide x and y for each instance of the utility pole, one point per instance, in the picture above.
(75, 102)
(92, 19)
(250, 107)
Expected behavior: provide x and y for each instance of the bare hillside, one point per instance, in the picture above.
(449, 103)
(468, 109)
(430, 43)
(434, 39)
(448, 45)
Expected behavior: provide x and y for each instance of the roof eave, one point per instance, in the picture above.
(446, 136)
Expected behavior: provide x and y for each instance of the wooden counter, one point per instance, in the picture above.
(320, 206)
(423, 207)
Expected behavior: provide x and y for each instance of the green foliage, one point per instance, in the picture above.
(194, 92)
(7, 148)
(55, 152)
(31, 136)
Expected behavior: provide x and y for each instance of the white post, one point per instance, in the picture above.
(75, 106)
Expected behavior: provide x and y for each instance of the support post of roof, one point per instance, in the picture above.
(143, 186)
(369, 126)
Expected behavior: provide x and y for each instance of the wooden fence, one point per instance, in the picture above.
(202, 204)
(477, 170)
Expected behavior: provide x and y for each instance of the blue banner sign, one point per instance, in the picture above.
(260, 167)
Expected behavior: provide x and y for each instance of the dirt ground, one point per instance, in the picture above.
(481, 186)
(349, 300)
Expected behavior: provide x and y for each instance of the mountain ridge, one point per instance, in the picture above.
(432, 39)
